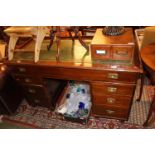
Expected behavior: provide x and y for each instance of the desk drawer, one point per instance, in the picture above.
(100, 88)
(101, 52)
(24, 79)
(33, 90)
(36, 95)
(110, 112)
(23, 70)
(112, 101)
(38, 101)
(124, 53)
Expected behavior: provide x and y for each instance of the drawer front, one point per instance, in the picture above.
(112, 101)
(24, 79)
(36, 95)
(100, 88)
(89, 74)
(34, 90)
(23, 70)
(122, 52)
(110, 112)
(38, 101)
(100, 52)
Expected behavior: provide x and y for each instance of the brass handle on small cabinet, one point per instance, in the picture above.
(110, 111)
(21, 69)
(31, 91)
(101, 52)
(122, 53)
(112, 75)
(111, 100)
(112, 89)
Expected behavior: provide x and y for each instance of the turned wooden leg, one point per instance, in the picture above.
(39, 39)
(152, 108)
(12, 43)
(52, 34)
(76, 31)
(70, 34)
(58, 49)
(83, 43)
(141, 87)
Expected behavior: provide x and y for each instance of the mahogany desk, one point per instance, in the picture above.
(112, 84)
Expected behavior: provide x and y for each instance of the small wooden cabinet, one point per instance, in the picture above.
(113, 48)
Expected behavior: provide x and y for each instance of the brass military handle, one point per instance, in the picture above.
(112, 75)
(111, 100)
(110, 111)
(31, 91)
(27, 80)
(21, 69)
(37, 101)
(112, 89)
(122, 52)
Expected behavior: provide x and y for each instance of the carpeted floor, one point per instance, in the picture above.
(39, 117)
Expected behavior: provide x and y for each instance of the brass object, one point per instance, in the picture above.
(32, 91)
(122, 53)
(21, 69)
(27, 80)
(112, 75)
(37, 101)
(111, 100)
(112, 89)
(110, 111)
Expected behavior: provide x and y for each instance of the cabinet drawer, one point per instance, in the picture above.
(23, 70)
(36, 95)
(38, 101)
(100, 88)
(100, 52)
(24, 79)
(112, 101)
(124, 53)
(34, 90)
(110, 112)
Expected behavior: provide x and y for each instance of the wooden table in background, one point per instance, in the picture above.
(148, 57)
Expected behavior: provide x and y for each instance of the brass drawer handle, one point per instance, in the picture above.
(111, 100)
(112, 89)
(37, 101)
(112, 75)
(101, 52)
(31, 91)
(21, 69)
(122, 53)
(27, 80)
(110, 111)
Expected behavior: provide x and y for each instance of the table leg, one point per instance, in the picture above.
(151, 110)
(141, 87)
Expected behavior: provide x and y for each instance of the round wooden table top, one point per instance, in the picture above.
(148, 55)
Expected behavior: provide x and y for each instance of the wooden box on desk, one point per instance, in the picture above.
(118, 48)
